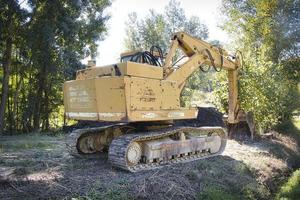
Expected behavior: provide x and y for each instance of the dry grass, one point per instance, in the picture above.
(44, 170)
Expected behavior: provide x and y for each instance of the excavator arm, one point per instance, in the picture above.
(199, 53)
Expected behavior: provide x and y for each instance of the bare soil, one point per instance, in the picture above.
(42, 169)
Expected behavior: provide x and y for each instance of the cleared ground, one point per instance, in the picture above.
(41, 168)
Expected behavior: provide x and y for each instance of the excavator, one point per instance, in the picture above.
(137, 100)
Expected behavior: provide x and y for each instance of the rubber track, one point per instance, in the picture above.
(118, 147)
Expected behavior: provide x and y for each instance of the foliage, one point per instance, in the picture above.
(49, 40)
(157, 29)
(291, 189)
(267, 32)
(214, 193)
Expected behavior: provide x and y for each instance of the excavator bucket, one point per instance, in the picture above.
(245, 128)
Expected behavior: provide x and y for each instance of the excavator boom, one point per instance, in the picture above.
(199, 53)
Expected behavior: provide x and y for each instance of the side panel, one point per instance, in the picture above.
(144, 70)
(80, 100)
(123, 99)
(170, 95)
(154, 100)
(111, 98)
(145, 94)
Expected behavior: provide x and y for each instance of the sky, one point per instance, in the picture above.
(110, 49)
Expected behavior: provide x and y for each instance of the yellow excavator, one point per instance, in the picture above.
(140, 97)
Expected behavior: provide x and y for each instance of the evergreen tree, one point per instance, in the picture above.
(12, 18)
(47, 40)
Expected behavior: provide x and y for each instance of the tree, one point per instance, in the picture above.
(55, 35)
(11, 18)
(157, 29)
(63, 31)
(267, 32)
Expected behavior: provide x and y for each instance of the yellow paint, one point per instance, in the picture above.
(128, 91)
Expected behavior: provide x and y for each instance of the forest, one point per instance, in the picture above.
(43, 43)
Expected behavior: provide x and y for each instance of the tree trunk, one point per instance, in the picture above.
(46, 110)
(38, 108)
(5, 81)
(16, 102)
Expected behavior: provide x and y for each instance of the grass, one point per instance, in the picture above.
(213, 192)
(224, 178)
(203, 165)
(241, 168)
(32, 152)
(25, 162)
(291, 128)
(255, 191)
(98, 191)
(216, 178)
(240, 186)
(291, 189)
(192, 175)
(25, 142)
(27, 145)
(296, 122)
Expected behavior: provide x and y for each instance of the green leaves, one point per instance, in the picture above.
(157, 28)
(269, 40)
(51, 37)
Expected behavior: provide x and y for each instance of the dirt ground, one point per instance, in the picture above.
(42, 169)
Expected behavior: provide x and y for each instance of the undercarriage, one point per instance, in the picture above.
(133, 148)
